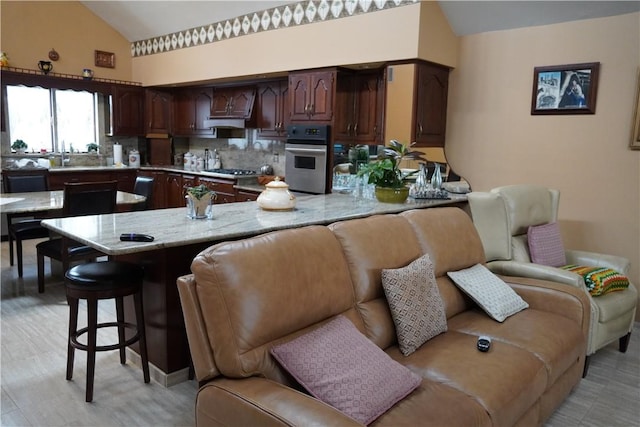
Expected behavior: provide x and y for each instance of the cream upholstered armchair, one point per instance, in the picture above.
(502, 218)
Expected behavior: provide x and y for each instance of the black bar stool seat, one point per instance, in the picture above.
(104, 280)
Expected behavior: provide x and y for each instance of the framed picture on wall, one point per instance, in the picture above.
(635, 135)
(565, 89)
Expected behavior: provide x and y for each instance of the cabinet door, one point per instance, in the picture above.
(272, 109)
(202, 99)
(322, 91)
(157, 111)
(431, 106)
(311, 96)
(242, 102)
(128, 111)
(246, 196)
(298, 97)
(183, 113)
(174, 191)
(225, 191)
(191, 107)
(367, 112)
(344, 123)
(221, 102)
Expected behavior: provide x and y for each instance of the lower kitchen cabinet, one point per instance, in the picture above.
(159, 198)
(247, 196)
(224, 188)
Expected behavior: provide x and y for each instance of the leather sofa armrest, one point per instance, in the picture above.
(536, 271)
(261, 402)
(594, 259)
(553, 297)
(201, 352)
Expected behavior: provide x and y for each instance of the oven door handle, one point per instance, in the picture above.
(306, 150)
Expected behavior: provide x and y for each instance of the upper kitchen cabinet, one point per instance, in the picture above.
(128, 110)
(191, 107)
(233, 102)
(430, 122)
(311, 95)
(359, 108)
(157, 111)
(272, 115)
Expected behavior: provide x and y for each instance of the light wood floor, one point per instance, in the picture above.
(35, 393)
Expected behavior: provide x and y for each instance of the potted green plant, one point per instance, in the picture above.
(92, 147)
(199, 198)
(19, 145)
(385, 172)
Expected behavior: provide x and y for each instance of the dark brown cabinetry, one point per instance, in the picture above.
(191, 107)
(159, 198)
(233, 102)
(175, 188)
(272, 115)
(225, 191)
(311, 95)
(359, 108)
(157, 111)
(128, 110)
(430, 122)
(247, 196)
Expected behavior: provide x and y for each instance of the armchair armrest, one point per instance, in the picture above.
(617, 263)
(536, 271)
(261, 402)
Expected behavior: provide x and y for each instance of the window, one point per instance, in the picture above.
(52, 119)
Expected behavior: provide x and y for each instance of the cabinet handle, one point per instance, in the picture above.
(420, 125)
(349, 129)
(355, 130)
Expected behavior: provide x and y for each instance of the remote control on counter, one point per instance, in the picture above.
(135, 237)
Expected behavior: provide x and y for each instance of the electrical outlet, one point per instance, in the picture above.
(276, 157)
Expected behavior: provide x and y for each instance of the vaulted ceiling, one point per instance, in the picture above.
(139, 20)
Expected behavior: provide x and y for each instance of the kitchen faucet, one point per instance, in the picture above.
(62, 155)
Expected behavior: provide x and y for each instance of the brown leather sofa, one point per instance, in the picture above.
(246, 296)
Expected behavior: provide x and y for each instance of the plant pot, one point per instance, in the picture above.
(392, 195)
(200, 208)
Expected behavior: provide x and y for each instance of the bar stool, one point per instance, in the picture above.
(104, 280)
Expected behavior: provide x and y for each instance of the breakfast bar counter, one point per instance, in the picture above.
(178, 239)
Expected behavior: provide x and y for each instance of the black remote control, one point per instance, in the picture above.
(484, 344)
(135, 237)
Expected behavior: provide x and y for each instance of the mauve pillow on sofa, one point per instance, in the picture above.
(337, 364)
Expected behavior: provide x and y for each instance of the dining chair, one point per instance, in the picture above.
(24, 228)
(85, 198)
(144, 187)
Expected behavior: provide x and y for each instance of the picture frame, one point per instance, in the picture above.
(565, 89)
(105, 59)
(634, 144)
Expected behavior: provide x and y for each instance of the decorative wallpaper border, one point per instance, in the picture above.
(294, 14)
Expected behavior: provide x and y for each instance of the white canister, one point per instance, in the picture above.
(199, 164)
(134, 159)
(187, 161)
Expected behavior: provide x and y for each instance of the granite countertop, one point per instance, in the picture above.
(172, 227)
(240, 178)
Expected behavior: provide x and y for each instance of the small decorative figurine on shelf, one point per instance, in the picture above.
(4, 61)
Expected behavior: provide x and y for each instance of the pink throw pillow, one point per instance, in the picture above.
(545, 245)
(337, 364)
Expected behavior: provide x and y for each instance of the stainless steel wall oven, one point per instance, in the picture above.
(306, 158)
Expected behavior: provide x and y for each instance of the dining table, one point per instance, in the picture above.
(38, 202)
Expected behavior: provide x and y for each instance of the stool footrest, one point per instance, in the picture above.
(84, 347)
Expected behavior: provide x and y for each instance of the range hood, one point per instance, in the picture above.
(225, 123)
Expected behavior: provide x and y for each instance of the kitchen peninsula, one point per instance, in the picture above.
(178, 239)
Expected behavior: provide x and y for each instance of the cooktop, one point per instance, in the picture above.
(232, 171)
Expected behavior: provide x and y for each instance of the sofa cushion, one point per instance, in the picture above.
(341, 367)
(415, 303)
(545, 245)
(600, 280)
(490, 292)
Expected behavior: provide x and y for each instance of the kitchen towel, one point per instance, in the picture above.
(117, 154)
